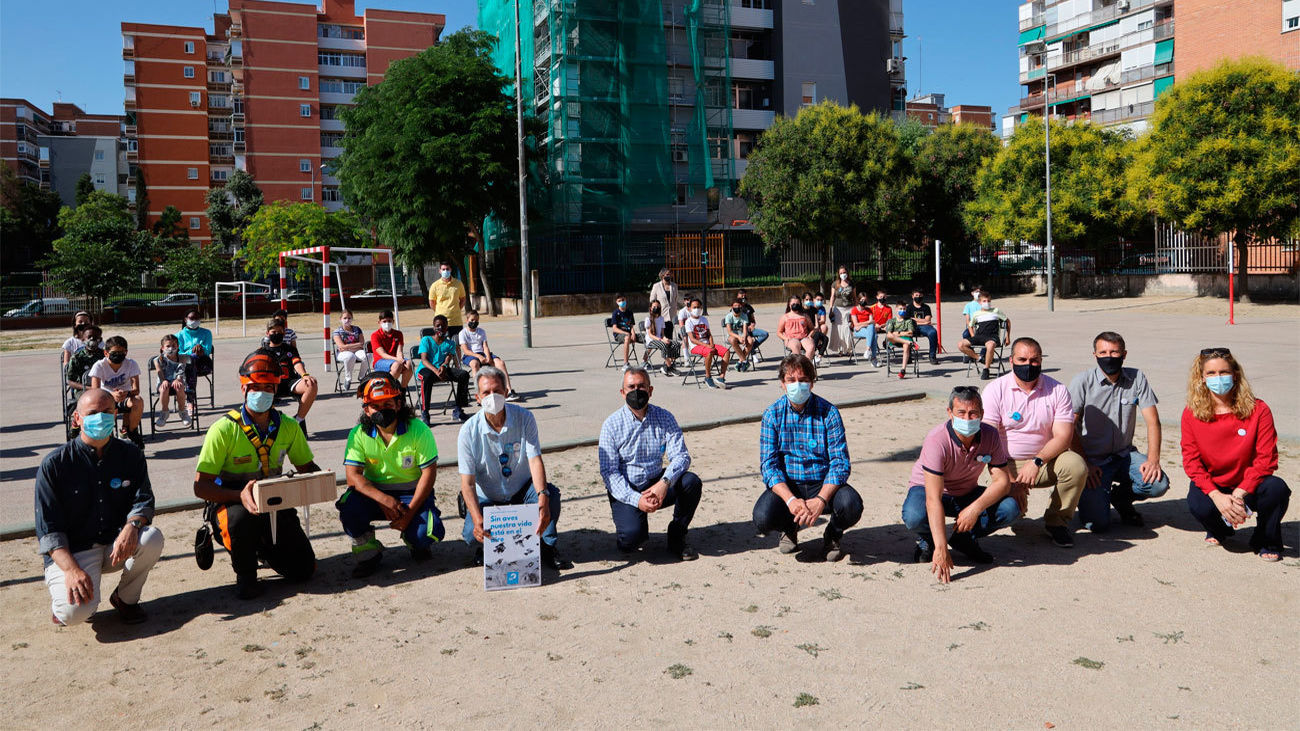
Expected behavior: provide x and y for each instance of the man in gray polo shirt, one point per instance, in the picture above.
(499, 456)
(1106, 402)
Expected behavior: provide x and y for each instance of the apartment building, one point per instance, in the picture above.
(652, 109)
(54, 150)
(262, 92)
(1210, 31)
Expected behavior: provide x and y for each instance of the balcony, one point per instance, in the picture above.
(1142, 73)
(221, 134)
(340, 44)
(1124, 113)
(752, 118)
(239, 146)
(336, 97)
(220, 87)
(748, 68)
(751, 18)
(1090, 53)
(330, 152)
(345, 72)
(331, 125)
(128, 47)
(221, 159)
(895, 22)
(1164, 30)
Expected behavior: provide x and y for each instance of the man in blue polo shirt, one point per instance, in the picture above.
(804, 459)
(94, 504)
(499, 456)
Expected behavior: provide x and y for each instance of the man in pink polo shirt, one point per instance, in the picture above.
(945, 483)
(1034, 415)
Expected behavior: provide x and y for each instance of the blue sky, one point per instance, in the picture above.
(72, 49)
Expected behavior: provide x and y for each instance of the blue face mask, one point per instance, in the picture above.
(807, 303)
(259, 401)
(798, 392)
(98, 426)
(966, 427)
(1219, 384)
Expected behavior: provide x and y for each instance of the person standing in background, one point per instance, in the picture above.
(842, 299)
(669, 297)
(447, 298)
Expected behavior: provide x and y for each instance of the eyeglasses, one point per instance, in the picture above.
(1216, 352)
(505, 470)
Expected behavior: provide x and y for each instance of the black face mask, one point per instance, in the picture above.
(880, 299)
(1027, 372)
(1110, 365)
(116, 357)
(472, 324)
(862, 303)
(917, 300)
(275, 338)
(383, 418)
(637, 399)
(737, 310)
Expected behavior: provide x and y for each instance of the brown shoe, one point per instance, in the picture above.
(129, 613)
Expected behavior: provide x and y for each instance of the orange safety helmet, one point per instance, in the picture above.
(379, 387)
(259, 366)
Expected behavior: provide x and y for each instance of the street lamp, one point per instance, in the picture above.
(525, 283)
(1040, 48)
(313, 181)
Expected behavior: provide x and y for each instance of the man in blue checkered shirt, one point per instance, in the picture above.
(635, 442)
(805, 464)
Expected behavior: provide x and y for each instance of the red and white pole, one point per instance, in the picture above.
(938, 305)
(284, 284)
(325, 294)
(1232, 276)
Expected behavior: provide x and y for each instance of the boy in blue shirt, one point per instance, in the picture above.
(438, 362)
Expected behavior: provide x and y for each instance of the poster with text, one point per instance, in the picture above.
(512, 555)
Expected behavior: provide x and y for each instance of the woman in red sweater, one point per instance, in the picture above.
(1230, 454)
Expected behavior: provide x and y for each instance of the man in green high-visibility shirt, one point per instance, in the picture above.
(391, 462)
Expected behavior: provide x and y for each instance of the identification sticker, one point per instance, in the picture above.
(246, 459)
(408, 461)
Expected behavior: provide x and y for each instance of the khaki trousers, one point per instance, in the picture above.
(1067, 472)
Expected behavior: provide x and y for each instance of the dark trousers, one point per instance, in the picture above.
(929, 333)
(770, 513)
(449, 373)
(248, 537)
(1269, 501)
(357, 511)
(632, 527)
(820, 341)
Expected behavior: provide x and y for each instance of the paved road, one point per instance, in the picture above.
(571, 393)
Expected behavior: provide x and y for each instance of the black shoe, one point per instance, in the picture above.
(924, 553)
(478, 555)
(203, 547)
(934, 361)
(427, 421)
(129, 613)
(247, 586)
(136, 438)
(420, 554)
(367, 566)
(1060, 536)
(1128, 514)
(965, 544)
(678, 548)
(459, 414)
(552, 558)
(984, 375)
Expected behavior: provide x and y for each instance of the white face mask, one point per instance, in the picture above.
(346, 321)
(696, 312)
(169, 350)
(493, 403)
(975, 295)
(844, 277)
(386, 326)
(191, 324)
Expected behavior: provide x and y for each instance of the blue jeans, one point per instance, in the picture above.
(917, 519)
(1121, 484)
(868, 333)
(356, 511)
(760, 336)
(526, 496)
(928, 331)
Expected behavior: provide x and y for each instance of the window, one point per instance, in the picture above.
(192, 173)
(237, 105)
(809, 93)
(195, 99)
(304, 165)
(304, 110)
(217, 77)
(331, 139)
(239, 134)
(22, 147)
(99, 180)
(194, 223)
(334, 58)
(329, 30)
(332, 195)
(220, 174)
(330, 112)
(340, 86)
(99, 154)
(188, 72)
(756, 4)
(307, 194)
(304, 82)
(132, 145)
(189, 46)
(1292, 23)
(220, 101)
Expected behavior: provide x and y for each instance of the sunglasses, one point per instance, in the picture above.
(1216, 353)
(505, 459)
(965, 393)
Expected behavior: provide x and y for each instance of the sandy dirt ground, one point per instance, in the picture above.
(1140, 628)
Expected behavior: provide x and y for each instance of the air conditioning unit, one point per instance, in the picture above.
(1122, 5)
(194, 102)
(679, 156)
(891, 65)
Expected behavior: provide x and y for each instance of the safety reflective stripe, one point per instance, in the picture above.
(263, 448)
(223, 526)
(371, 545)
(428, 526)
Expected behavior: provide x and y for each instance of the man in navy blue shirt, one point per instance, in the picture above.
(623, 323)
(804, 458)
(94, 505)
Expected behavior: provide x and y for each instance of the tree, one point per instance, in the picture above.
(283, 225)
(141, 201)
(28, 221)
(828, 174)
(430, 152)
(231, 207)
(1089, 206)
(100, 253)
(170, 227)
(945, 164)
(194, 268)
(85, 186)
(1223, 156)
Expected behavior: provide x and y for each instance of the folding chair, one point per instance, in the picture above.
(647, 352)
(890, 349)
(853, 352)
(153, 404)
(70, 397)
(997, 353)
(615, 346)
(363, 367)
(212, 387)
(693, 361)
(419, 377)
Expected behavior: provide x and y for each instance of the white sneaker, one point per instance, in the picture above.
(663, 370)
(513, 396)
(817, 360)
(347, 383)
(161, 420)
(185, 418)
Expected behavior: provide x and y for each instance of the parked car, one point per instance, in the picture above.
(375, 293)
(298, 296)
(179, 298)
(132, 302)
(42, 306)
(1140, 264)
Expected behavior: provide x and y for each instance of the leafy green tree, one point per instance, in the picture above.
(283, 225)
(28, 221)
(170, 227)
(826, 175)
(141, 201)
(430, 152)
(1223, 156)
(231, 207)
(85, 186)
(945, 164)
(100, 253)
(194, 268)
(1089, 205)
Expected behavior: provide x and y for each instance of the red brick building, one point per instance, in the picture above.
(980, 116)
(1210, 31)
(261, 93)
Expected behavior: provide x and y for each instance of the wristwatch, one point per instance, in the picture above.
(139, 523)
(1038, 462)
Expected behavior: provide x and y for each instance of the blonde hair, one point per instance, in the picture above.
(1199, 399)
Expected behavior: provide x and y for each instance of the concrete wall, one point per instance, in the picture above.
(1266, 287)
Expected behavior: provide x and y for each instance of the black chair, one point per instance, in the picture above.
(153, 403)
(419, 377)
(892, 349)
(998, 363)
(615, 345)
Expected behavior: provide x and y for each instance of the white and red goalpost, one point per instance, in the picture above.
(324, 263)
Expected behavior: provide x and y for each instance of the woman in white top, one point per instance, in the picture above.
(658, 337)
(842, 300)
(78, 339)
